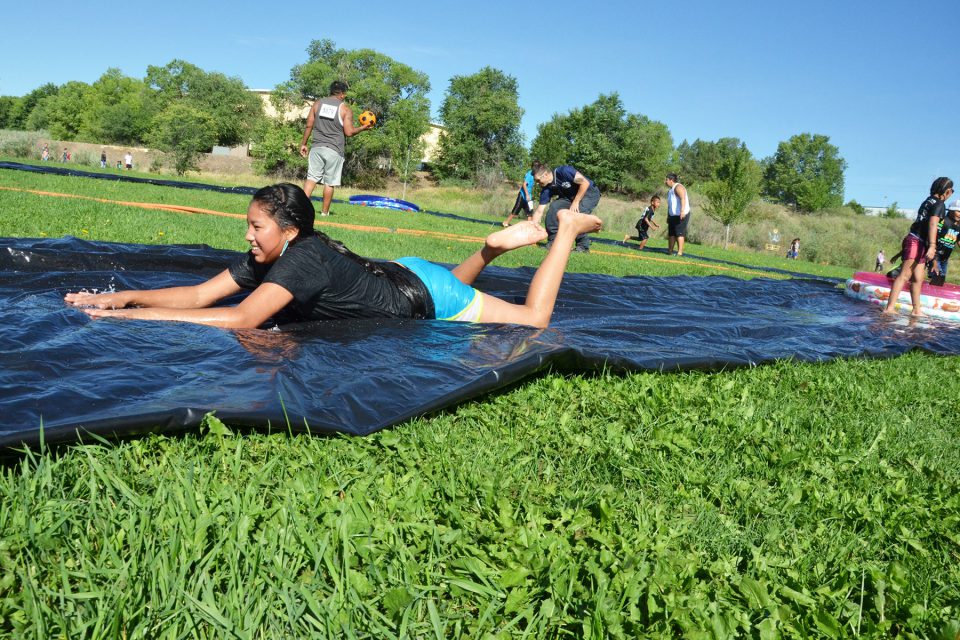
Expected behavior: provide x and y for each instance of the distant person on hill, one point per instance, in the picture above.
(881, 259)
(678, 213)
(574, 192)
(103, 159)
(793, 253)
(329, 123)
(291, 267)
(920, 245)
(119, 164)
(45, 153)
(645, 222)
(66, 155)
(524, 198)
(128, 160)
(947, 232)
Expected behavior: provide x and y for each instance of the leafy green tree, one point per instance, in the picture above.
(891, 211)
(377, 83)
(184, 131)
(227, 101)
(118, 110)
(20, 112)
(698, 161)
(7, 104)
(806, 172)
(619, 151)
(735, 183)
(481, 113)
(406, 143)
(276, 150)
(62, 113)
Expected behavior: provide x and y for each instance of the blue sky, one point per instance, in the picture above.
(876, 77)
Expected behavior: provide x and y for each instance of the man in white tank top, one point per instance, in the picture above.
(330, 121)
(678, 213)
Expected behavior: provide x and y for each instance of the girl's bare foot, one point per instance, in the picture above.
(519, 235)
(579, 222)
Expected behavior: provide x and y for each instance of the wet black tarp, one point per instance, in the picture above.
(73, 375)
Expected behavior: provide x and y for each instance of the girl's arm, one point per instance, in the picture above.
(192, 297)
(932, 236)
(265, 301)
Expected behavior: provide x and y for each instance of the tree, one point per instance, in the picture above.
(619, 151)
(806, 172)
(184, 131)
(892, 211)
(699, 161)
(378, 83)
(7, 104)
(482, 114)
(406, 144)
(735, 183)
(119, 109)
(62, 112)
(20, 112)
(234, 111)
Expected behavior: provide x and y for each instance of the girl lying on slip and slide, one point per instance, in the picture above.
(293, 267)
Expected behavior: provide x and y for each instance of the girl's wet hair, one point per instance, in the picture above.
(289, 207)
(940, 186)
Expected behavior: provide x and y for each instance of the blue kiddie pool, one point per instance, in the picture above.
(384, 202)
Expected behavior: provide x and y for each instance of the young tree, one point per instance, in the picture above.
(184, 132)
(735, 183)
(482, 114)
(406, 143)
(806, 172)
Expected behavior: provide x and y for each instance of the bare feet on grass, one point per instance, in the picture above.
(519, 235)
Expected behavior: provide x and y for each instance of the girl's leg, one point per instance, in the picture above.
(906, 272)
(916, 286)
(519, 235)
(542, 294)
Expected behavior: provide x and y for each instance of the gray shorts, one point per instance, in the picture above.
(325, 166)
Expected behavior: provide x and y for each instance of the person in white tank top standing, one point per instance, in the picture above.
(330, 122)
(678, 213)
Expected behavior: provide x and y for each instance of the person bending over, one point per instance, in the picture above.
(291, 267)
(574, 192)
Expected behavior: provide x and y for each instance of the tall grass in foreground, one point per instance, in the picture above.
(791, 500)
(786, 501)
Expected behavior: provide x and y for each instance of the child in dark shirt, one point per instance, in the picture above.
(947, 233)
(919, 245)
(644, 223)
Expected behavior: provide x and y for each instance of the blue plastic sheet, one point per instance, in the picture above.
(72, 376)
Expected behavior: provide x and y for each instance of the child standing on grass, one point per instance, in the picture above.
(920, 245)
(881, 259)
(294, 268)
(645, 222)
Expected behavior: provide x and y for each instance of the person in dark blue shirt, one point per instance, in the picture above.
(572, 191)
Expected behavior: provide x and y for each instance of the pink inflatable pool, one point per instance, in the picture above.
(939, 302)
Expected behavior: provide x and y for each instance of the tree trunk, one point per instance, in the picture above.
(726, 236)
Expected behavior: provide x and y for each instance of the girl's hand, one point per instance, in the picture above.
(116, 300)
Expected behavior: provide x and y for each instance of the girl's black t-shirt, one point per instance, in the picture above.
(325, 284)
(921, 226)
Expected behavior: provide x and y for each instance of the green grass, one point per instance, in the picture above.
(790, 500)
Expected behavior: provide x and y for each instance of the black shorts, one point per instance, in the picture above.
(641, 235)
(522, 204)
(677, 226)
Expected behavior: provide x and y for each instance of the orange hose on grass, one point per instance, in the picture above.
(439, 235)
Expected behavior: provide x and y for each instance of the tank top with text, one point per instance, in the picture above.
(328, 125)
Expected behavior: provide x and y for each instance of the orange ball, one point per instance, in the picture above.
(368, 117)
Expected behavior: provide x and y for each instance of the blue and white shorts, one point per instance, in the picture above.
(452, 299)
